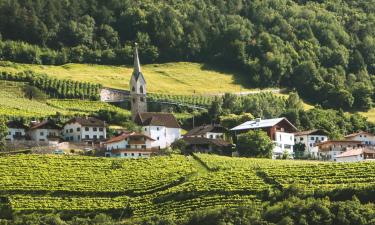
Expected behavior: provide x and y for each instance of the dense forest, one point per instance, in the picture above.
(323, 49)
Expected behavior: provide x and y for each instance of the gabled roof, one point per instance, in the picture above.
(157, 119)
(338, 141)
(202, 141)
(201, 130)
(262, 123)
(355, 152)
(311, 132)
(16, 124)
(358, 133)
(87, 121)
(123, 136)
(47, 124)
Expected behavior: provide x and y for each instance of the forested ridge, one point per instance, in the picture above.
(323, 49)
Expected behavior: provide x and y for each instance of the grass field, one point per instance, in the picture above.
(174, 78)
(164, 185)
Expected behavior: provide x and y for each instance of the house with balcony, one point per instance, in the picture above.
(328, 150)
(16, 131)
(357, 155)
(46, 131)
(308, 139)
(87, 130)
(130, 145)
(280, 130)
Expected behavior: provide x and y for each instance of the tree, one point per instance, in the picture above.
(255, 143)
(32, 93)
(294, 102)
(3, 133)
(215, 109)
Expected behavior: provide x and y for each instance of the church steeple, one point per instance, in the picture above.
(137, 87)
(137, 64)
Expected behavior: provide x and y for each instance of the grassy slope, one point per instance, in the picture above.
(174, 78)
(13, 103)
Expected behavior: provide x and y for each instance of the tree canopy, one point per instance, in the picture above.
(323, 49)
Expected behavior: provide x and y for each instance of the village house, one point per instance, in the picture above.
(16, 131)
(356, 155)
(280, 130)
(46, 131)
(88, 130)
(130, 145)
(309, 139)
(162, 127)
(328, 150)
(365, 137)
(207, 139)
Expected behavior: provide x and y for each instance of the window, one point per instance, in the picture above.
(41, 133)
(132, 154)
(78, 129)
(78, 137)
(101, 137)
(133, 100)
(322, 138)
(71, 130)
(100, 128)
(143, 146)
(139, 154)
(133, 88)
(312, 138)
(87, 137)
(142, 99)
(71, 138)
(145, 128)
(95, 129)
(301, 138)
(95, 137)
(211, 136)
(86, 129)
(157, 128)
(9, 133)
(66, 131)
(141, 89)
(158, 138)
(125, 154)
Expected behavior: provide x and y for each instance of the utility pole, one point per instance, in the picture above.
(194, 109)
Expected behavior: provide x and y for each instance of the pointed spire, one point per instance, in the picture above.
(137, 64)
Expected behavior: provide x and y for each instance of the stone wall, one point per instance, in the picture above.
(113, 95)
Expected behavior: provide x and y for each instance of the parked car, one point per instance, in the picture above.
(59, 152)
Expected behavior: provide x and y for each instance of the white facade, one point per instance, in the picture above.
(310, 141)
(364, 137)
(76, 132)
(283, 143)
(12, 132)
(163, 136)
(44, 134)
(352, 158)
(128, 149)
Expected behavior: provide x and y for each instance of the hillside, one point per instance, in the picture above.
(13, 103)
(173, 78)
(168, 185)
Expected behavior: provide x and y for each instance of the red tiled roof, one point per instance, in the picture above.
(157, 119)
(338, 141)
(206, 128)
(355, 152)
(123, 136)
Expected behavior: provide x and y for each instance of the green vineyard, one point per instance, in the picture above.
(172, 185)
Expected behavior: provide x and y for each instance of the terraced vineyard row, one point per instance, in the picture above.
(28, 173)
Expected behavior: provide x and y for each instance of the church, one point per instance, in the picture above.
(161, 127)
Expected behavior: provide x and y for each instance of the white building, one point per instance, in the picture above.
(46, 131)
(130, 145)
(162, 127)
(356, 155)
(280, 130)
(365, 137)
(310, 138)
(328, 150)
(85, 129)
(16, 131)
